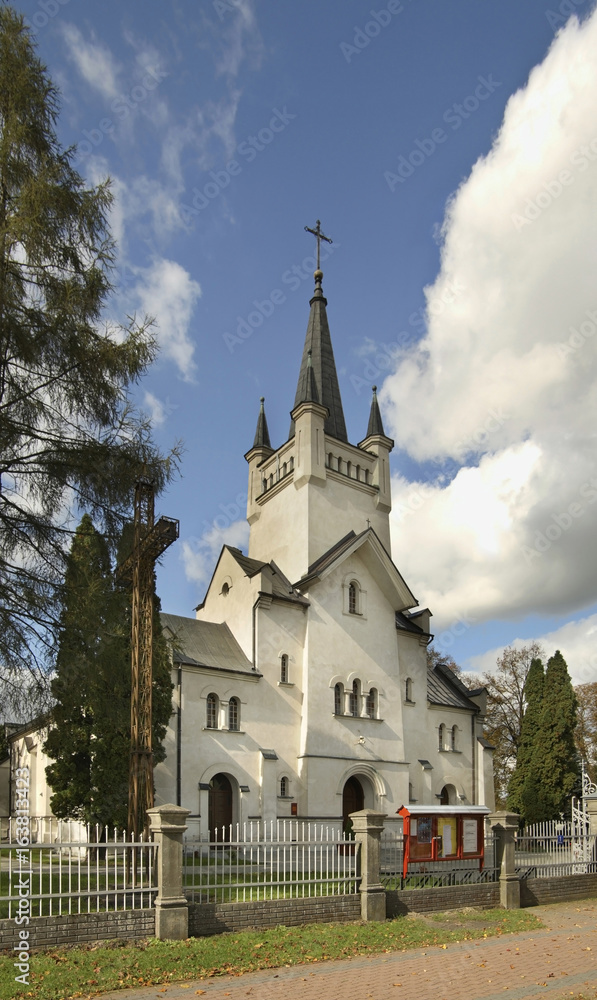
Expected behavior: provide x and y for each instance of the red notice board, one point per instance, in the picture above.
(442, 833)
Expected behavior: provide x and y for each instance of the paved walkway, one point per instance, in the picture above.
(551, 963)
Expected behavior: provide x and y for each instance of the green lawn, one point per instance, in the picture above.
(82, 972)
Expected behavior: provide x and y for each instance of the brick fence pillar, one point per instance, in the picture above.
(367, 825)
(171, 906)
(504, 826)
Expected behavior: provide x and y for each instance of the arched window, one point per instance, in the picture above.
(367, 476)
(212, 711)
(284, 788)
(409, 688)
(271, 479)
(338, 699)
(284, 468)
(442, 737)
(349, 469)
(454, 737)
(355, 697)
(372, 703)
(357, 473)
(291, 462)
(284, 668)
(225, 589)
(339, 464)
(411, 793)
(264, 484)
(234, 714)
(353, 598)
(330, 460)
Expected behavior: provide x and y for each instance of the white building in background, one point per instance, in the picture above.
(301, 688)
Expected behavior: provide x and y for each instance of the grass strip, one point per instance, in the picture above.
(85, 971)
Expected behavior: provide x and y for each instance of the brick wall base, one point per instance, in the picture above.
(535, 891)
(451, 897)
(79, 928)
(215, 918)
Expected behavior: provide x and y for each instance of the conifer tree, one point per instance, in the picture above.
(555, 765)
(530, 726)
(89, 740)
(70, 439)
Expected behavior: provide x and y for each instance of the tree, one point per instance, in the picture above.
(506, 705)
(89, 739)
(586, 726)
(529, 730)
(554, 770)
(70, 439)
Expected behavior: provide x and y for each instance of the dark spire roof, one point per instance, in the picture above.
(262, 434)
(375, 425)
(323, 374)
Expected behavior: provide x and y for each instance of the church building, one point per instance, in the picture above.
(301, 687)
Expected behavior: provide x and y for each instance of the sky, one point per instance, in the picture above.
(450, 152)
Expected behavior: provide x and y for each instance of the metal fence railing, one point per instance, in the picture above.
(431, 873)
(51, 873)
(549, 853)
(281, 859)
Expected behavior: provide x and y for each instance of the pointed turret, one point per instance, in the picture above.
(375, 425)
(322, 370)
(262, 433)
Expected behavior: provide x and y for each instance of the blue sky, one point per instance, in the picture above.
(446, 149)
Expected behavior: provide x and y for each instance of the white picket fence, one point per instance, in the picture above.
(281, 859)
(555, 847)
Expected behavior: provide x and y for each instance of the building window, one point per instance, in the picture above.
(330, 460)
(454, 737)
(442, 737)
(338, 699)
(352, 598)
(284, 788)
(367, 476)
(349, 469)
(284, 668)
(234, 714)
(212, 711)
(372, 703)
(225, 589)
(357, 473)
(409, 688)
(355, 697)
(411, 793)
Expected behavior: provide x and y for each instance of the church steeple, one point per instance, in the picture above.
(321, 370)
(262, 433)
(375, 425)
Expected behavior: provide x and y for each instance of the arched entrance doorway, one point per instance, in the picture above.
(447, 796)
(353, 799)
(220, 806)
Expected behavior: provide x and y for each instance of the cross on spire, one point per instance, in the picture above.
(319, 236)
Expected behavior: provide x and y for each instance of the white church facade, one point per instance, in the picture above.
(301, 687)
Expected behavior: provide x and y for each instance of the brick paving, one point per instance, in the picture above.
(551, 963)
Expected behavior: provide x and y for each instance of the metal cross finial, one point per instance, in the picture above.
(319, 236)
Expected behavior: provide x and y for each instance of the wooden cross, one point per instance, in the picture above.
(319, 236)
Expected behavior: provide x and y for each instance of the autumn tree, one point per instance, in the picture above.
(70, 439)
(586, 726)
(89, 738)
(506, 705)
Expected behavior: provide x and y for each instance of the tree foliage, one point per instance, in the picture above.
(586, 726)
(89, 739)
(70, 439)
(522, 776)
(506, 705)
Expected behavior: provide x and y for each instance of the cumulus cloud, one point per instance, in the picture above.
(502, 387)
(94, 61)
(166, 292)
(199, 555)
(575, 640)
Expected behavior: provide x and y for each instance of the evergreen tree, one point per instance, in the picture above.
(89, 742)
(554, 769)
(530, 727)
(69, 437)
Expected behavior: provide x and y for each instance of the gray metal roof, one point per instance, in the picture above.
(375, 422)
(205, 644)
(319, 342)
(262, 433)
(445, 690)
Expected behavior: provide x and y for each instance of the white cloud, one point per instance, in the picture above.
(577, 642)
(502, 383)
(158, 409)
(200, 555)
(166, 292)
(94, 61)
